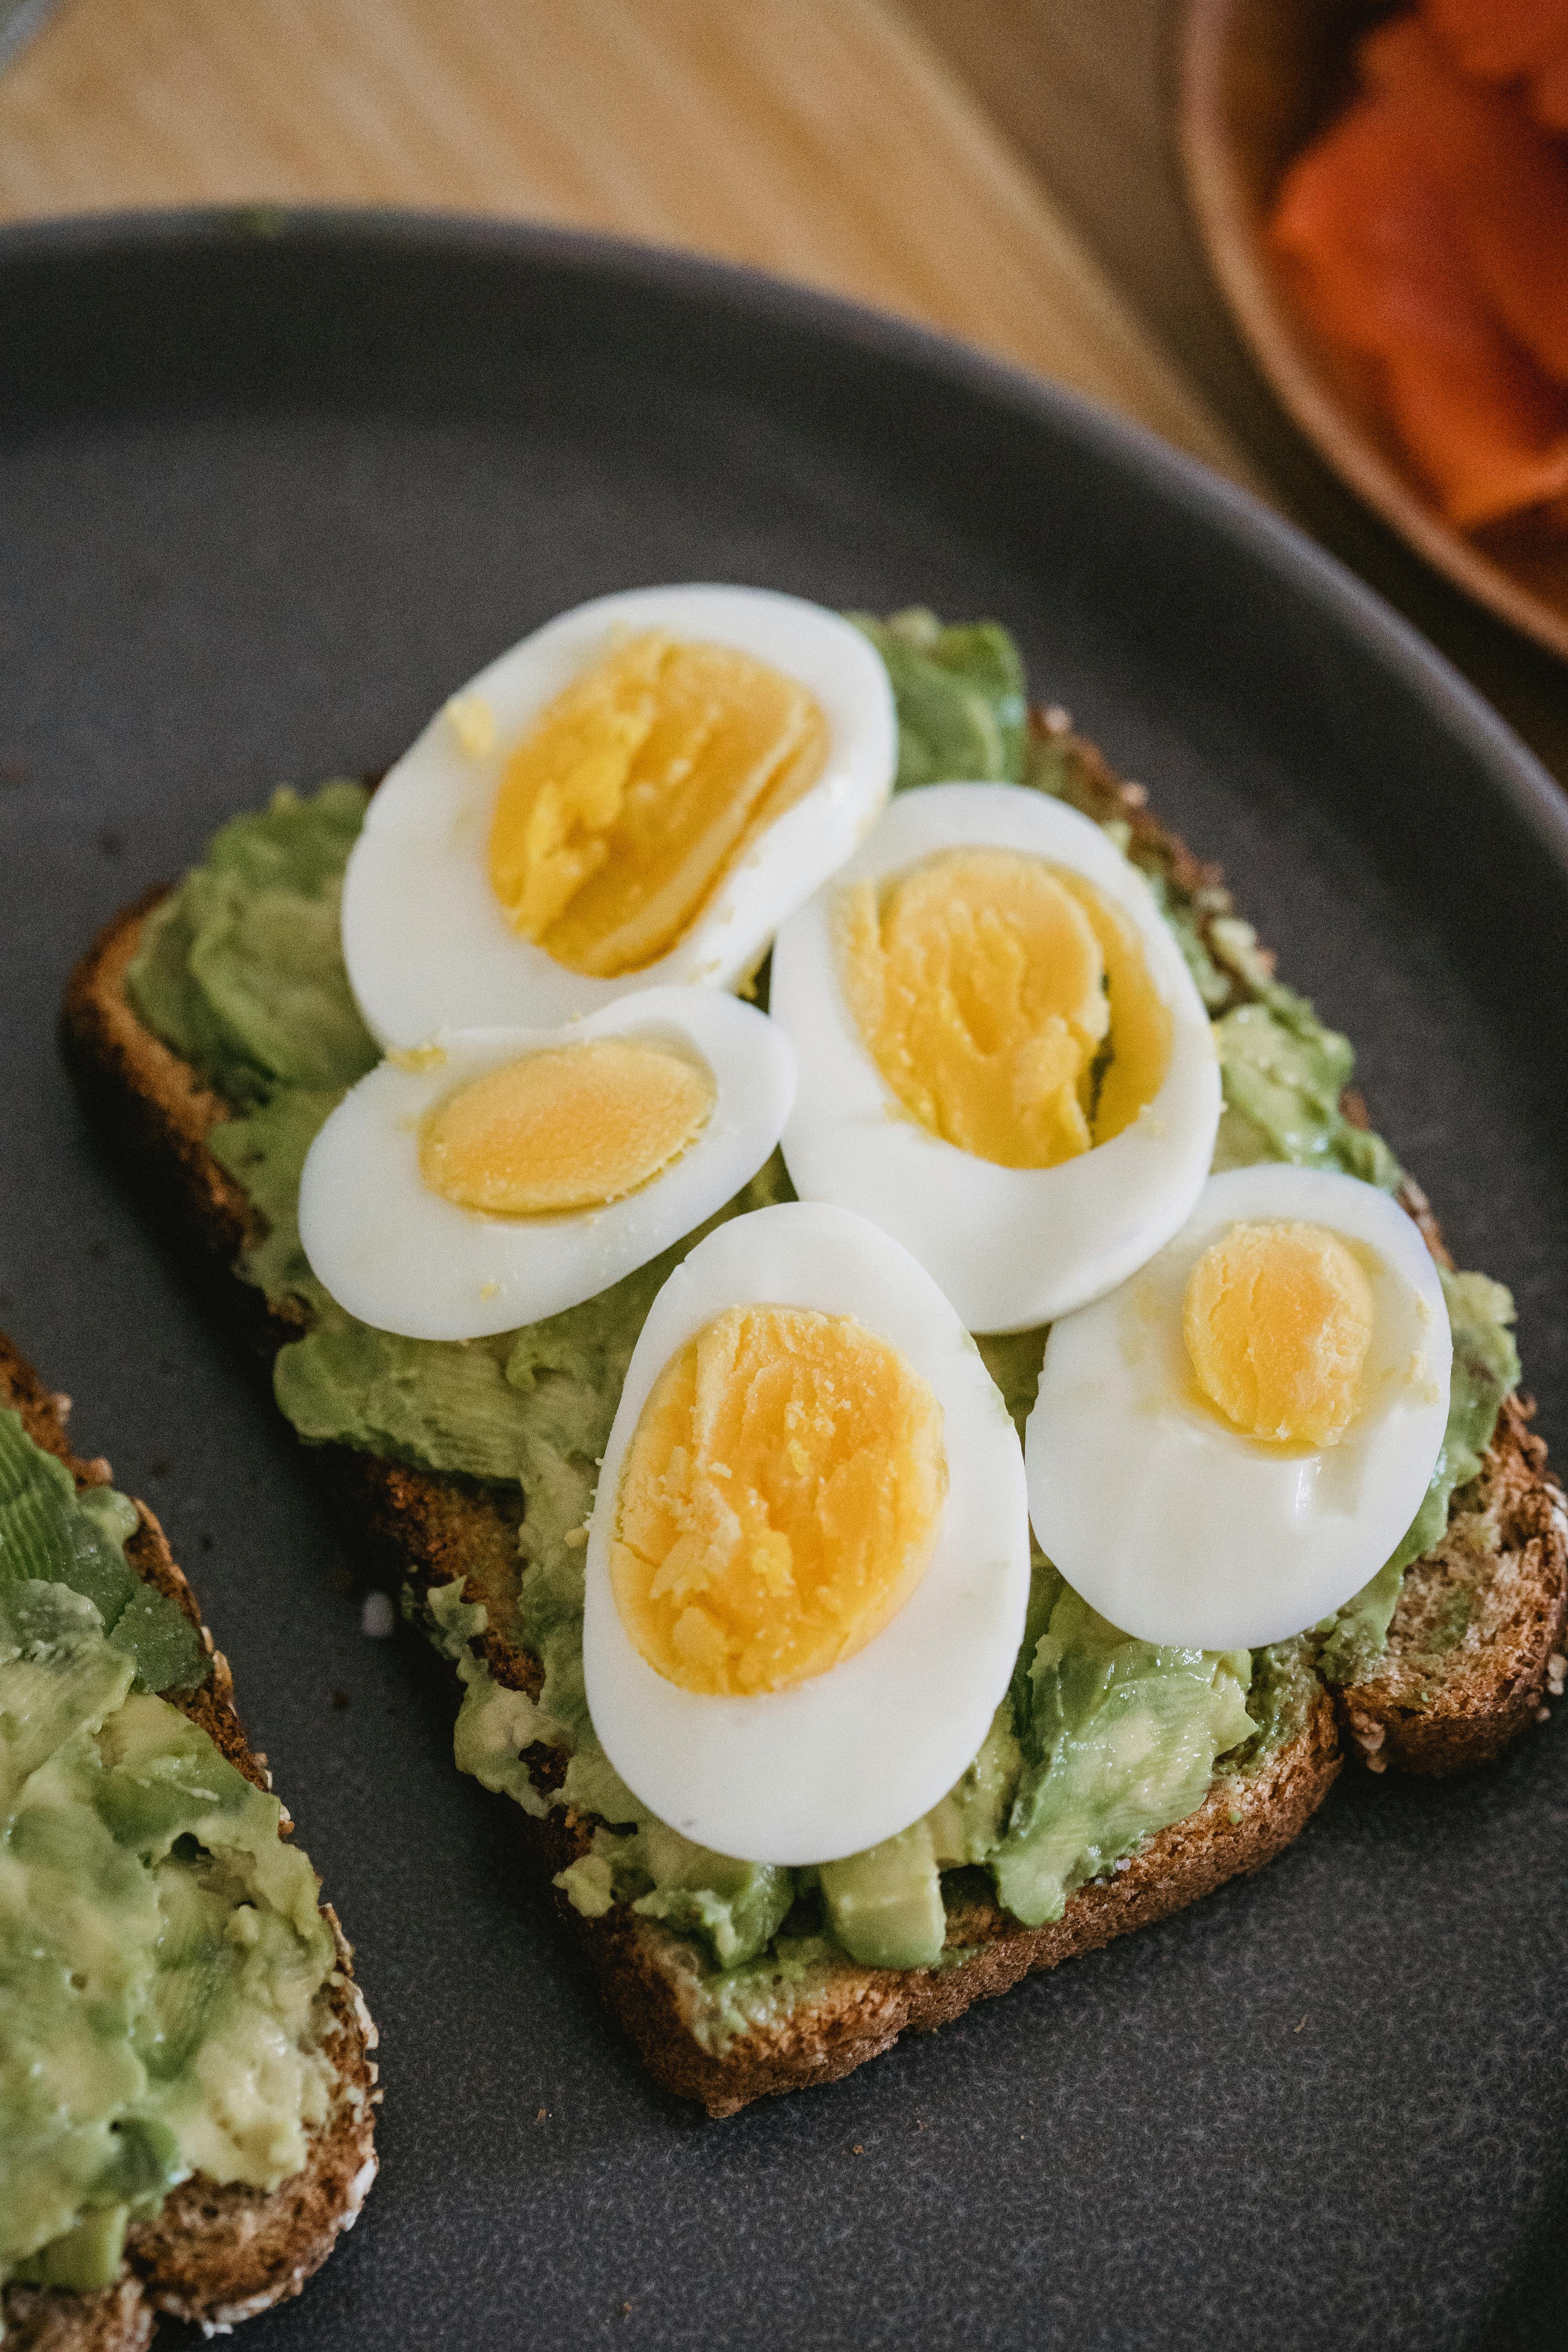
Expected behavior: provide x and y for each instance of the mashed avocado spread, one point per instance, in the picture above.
(160, 1947)
(1102, 1739)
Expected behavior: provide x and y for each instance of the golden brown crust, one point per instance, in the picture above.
(216, 2254)
(1096, 788)
(1468, 1655)
(430, 1529)
(650, 1983)
(154, 1106)
(49, 2319)
(409, 1524)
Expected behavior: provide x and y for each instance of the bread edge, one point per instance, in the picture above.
(650, 1982)
(216, 2254)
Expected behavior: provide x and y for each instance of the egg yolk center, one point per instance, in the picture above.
(570, 1128)
(779, 1502)
(1005, 1003)
(1277, 1321)
(637, 789)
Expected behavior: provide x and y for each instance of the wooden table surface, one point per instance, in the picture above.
(1002, 169)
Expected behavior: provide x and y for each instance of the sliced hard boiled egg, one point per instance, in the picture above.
(1004, 1059)
(1225, 1449)
(808, 1560)
(502, 1175)
(636, 795)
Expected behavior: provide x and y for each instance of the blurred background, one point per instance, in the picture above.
(1008, 171)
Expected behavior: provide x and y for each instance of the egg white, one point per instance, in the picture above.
(402, 1258)
(858, 1753)
(1012, 1247)
(426, 944)
(1181, 1529)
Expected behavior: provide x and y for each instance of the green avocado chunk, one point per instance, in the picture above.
(241, 969)
(1283, 1074)
(1121, 1739)
(160, 1947)
(50, 1533)
(1102, 1739)
(885, 1905)
(735, 1908)
(1485, 1368)
(960, 696)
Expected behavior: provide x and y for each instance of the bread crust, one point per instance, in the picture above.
(50, 2319)
(408, 1524)
(649, 1978)
(217, 2253)
(1449, 1694)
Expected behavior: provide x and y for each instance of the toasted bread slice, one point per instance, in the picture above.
(1434, 1703)
(217, 2253)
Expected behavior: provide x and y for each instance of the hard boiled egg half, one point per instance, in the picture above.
(808, 1560)
(636, 795)
(1228, 1447)
(502, 1175)
(1004, 1059)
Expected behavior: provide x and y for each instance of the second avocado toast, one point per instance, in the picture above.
(212, 1036)
(185, 2057)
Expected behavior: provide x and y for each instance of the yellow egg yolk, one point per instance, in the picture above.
(1005, 1003)
(779, 1502)
(1277, 1321)
(570, 1128)
(636, 791)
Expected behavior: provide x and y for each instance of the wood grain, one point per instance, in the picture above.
(822, 139)
(1002, 169)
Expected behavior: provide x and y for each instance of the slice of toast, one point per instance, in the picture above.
(1442, 1696)
(217, 2253)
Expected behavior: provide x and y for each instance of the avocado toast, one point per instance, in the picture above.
(183, 1946)
(465, 1471)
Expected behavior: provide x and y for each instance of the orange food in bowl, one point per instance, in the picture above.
(1425, 235)
(1510, 40)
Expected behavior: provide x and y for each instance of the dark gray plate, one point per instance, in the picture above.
(271, 488)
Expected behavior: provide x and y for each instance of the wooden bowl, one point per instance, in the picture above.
(1259, 77)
